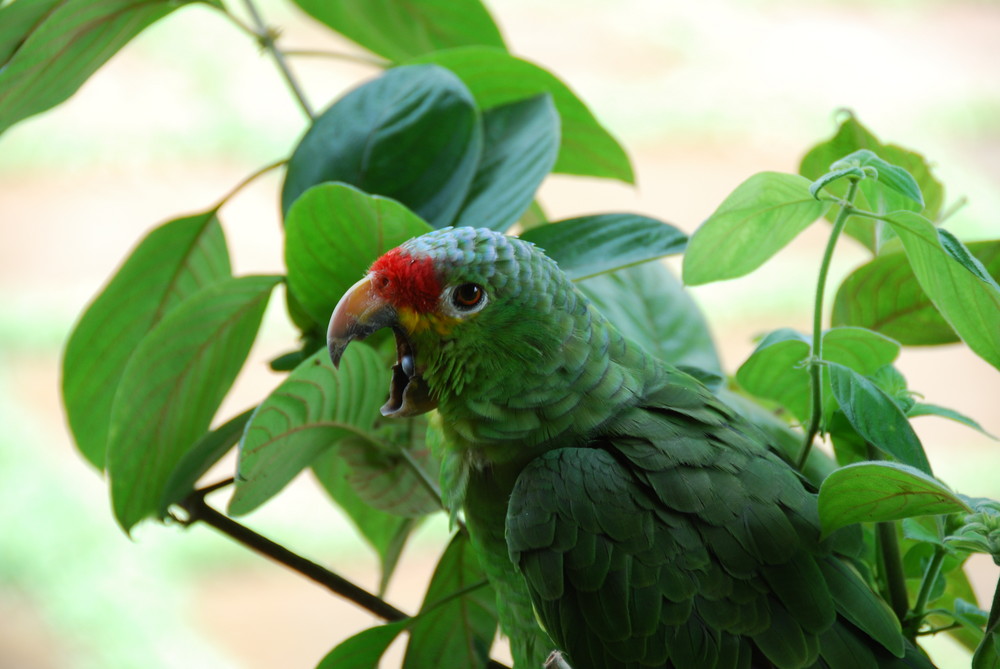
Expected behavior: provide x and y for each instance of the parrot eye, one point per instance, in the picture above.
(467, 296)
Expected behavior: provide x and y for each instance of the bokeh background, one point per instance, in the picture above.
(702, 95)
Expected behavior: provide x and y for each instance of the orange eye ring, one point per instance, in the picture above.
(467, 296)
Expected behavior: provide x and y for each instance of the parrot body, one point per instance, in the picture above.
(607, 493)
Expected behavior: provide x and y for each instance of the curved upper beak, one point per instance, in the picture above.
(360, 312)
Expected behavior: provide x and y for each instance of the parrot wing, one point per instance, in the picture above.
(675, 538)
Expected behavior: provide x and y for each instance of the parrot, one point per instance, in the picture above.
(624, 515)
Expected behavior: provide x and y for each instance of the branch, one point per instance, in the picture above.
(266, 39)
(199, 510)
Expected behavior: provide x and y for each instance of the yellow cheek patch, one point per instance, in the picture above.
(415, 322)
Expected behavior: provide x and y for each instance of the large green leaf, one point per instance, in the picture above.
(172, 386)
(497, 78)
(591, 245)
(879, 491)
(333, 233)
(458, 618)
(64, 45)
(385, 532)
(648, 305)
(876, 417)
(413, 134)
(753, 223)
(959, 286)
(364, 649)
(173, 262)
(312, 410)
(884, 295)
(777, 371)
(851, 136)
(395, 472)
(401, 29)
(203, 456)
(18, 20)
(521, 144)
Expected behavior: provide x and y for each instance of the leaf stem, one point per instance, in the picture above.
(265, 37)
(916, 616)
(337, 55)
(994, 618)
(815, 371)
(892, 568)
(247, 180)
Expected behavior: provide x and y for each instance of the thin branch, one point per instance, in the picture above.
(247, 180)
(198, 510)
(266, 38)
(338, 55)
(815, 372)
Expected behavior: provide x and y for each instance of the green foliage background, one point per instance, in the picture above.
(166, 129)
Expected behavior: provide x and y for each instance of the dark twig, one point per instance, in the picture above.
(198, 510)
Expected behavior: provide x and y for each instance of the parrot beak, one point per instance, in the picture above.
(361, 312)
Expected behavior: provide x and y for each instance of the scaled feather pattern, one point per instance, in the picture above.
(610, 496)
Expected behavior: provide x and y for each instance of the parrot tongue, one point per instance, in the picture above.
(408, 393)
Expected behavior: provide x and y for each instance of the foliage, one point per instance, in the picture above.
(458, 131)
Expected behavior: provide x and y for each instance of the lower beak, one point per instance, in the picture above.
(360, 312)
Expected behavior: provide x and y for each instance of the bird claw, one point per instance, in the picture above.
(555, 661)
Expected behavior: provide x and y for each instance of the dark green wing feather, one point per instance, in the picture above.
(675, 538)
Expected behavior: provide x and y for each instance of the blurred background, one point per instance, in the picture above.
(701, 95)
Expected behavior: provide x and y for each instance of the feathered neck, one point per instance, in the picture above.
(581, 375)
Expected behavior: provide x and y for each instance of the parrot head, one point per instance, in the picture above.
(463, 304)
(488, 330)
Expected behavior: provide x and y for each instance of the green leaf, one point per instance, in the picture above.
(364, 649)
(987, 656)
(458, 619)
(896, 178)
(833, 175)
(958, 285)
(496, 78)
(876, 417)
(173, 262)
(753, 223)
(851, 135)
(172, 386)
(521, 144)
(385, 532)
(413, 135)
(591, 245)
(648, 305)
(878, 491)
(203, 456)
(777, 371)
(397, 29)
(884, 295)
(395, 473)
(18, 20)
(66, 44)
(921, 409)
(316, 407)
(333, 233)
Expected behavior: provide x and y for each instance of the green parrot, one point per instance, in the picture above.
(611, 497)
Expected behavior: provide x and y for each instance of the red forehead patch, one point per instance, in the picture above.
(403, 280)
